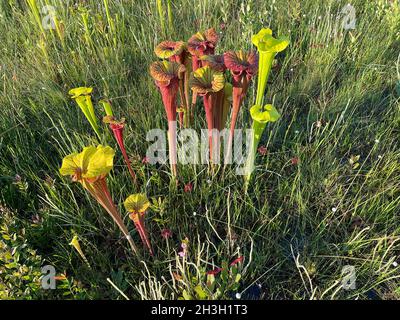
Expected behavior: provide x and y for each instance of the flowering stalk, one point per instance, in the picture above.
(36, 14)
(209, 84)
(268, 47)
(167, 75)
(201, 44)
(136, 205)
(170, 17)
(117, 128)
(82, 97)
(161, 15)
(243, 66)
(90, 168)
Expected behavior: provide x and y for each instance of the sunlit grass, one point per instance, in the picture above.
(310, 210)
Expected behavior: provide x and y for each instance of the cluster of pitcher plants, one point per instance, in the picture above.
(191, 71)
(187, 75)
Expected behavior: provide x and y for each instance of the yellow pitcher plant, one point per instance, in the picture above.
(90, 168)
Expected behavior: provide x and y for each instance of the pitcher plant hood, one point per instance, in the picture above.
(91, 163)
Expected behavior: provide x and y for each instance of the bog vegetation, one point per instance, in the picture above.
(314, 217)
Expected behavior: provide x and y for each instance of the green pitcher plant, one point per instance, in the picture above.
(90, 168)
(107, 107)
(268, 47)
(75, 243)
(82, 97)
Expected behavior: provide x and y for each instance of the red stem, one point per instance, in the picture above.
(184, 86)
(118, 134)
(208, 106)
(140, 227)
(240, 85)
(172, 146)
(196, 63)
(169, 95)
(99, 190)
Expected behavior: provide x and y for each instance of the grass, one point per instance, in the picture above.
(298, 226)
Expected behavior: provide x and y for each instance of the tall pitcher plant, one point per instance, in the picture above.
(268, 47)
(90, 168)
(167, 76)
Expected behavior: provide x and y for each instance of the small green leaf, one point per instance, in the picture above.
(186, 295)
(235, 287)
(201, 294)
(238, 277)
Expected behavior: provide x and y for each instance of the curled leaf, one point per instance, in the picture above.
(265, 42)
(165, 71)
(80, 91)
(216, 62)
(270, 114)
(167, 49)
(203, 43)
(240, 62)
(205, 80)
(113, 122)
